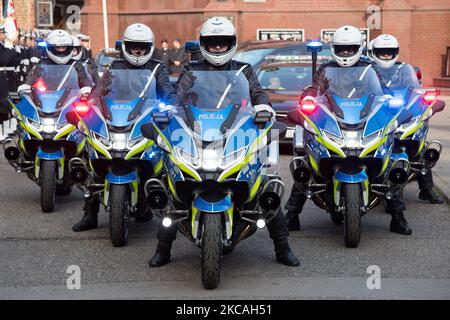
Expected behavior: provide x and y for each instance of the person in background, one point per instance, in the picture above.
(162, 53)
(86, 46)
(177, 58)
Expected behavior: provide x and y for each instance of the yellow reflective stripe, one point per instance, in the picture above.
(230, 216)
(314, 164)
(140, 149)
(194, 215)
(373, 147)
(385, 164)
(254, 189)
(172, 189)
(194, 174)
(99, 148)
(422, 143)
(412, 131)
(69, 129)
(158, 168)
(336, 185)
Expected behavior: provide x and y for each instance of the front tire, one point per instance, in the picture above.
(211, 250)
(119, 215)
(352, 215)
(47, 181)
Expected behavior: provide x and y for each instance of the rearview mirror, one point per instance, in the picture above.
(438, 106)
(148, 131)
(281, 127)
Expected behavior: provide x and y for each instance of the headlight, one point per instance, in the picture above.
(34, 125)
(210, 159)
(370, 139)
(103, 141)
(352, 139)
(48, 125)
(231, 159)
(408, 126)
(333, 138)
(187, 157)
(119, 141)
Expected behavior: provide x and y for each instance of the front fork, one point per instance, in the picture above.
(130, 179)
(337, 185)
(57, 156)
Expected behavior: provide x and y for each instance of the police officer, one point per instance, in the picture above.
(9, 60)
(59, 52)
(346, 50)
(137, 49)
(218, 45)
(385, 52)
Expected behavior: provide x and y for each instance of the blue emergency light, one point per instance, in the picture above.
(314, 46)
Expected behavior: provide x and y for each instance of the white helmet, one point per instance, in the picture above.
(59, 46)
(77, 47)
(138, 36)
(347, 46)
(218, 31)
(385, 44)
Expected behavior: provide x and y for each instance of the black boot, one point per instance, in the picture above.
(399, 224)
(285, 255)
(431, 196)
(292, 221)
(162, 255)
(89, 221)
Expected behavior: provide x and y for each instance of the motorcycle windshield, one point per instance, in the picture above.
(350, 89)
(131, 93)
(213, 90)
(212, 97)
(400, 77)
(53, 83)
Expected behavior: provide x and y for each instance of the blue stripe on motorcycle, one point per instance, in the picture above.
(351, 178)
(205, 206)
(126, 179)
(50, 156)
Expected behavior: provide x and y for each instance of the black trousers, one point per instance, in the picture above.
(297, 199)
(425, 181)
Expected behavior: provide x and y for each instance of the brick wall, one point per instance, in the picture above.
(422, 26)
(25, 13)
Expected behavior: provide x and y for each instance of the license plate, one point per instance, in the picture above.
(290, 133)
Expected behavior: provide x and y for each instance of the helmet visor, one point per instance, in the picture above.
(138, 48)
(345, 51)
(61, 51)
(218, 44)
(386, 53)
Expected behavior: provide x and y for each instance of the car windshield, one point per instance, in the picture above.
(56, 77)
(285, 78)
(400, 77)
(129, 84)
(351, 83)
(253, 56)
(213, 90)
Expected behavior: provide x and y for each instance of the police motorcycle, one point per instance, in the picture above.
(221, 155)
(410, 138)
(120, 160)
(45, 141)
(345, 164)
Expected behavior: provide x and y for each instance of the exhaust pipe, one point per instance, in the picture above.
(156, 194)
(78, 170)
(399, 171)
(299, 170)
(79, 175)
(432, 154)
(12, 153)
(270, 198)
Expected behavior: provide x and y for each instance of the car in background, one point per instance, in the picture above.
(284, 83)
(258, 53)
(105, 58)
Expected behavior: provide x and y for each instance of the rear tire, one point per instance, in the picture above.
(352, 215)
(211, 250)
(47, 181)
(119, 214)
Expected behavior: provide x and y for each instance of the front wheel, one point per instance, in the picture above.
(211, 250)
(352, 215)
(119, 214)
(47, 181)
